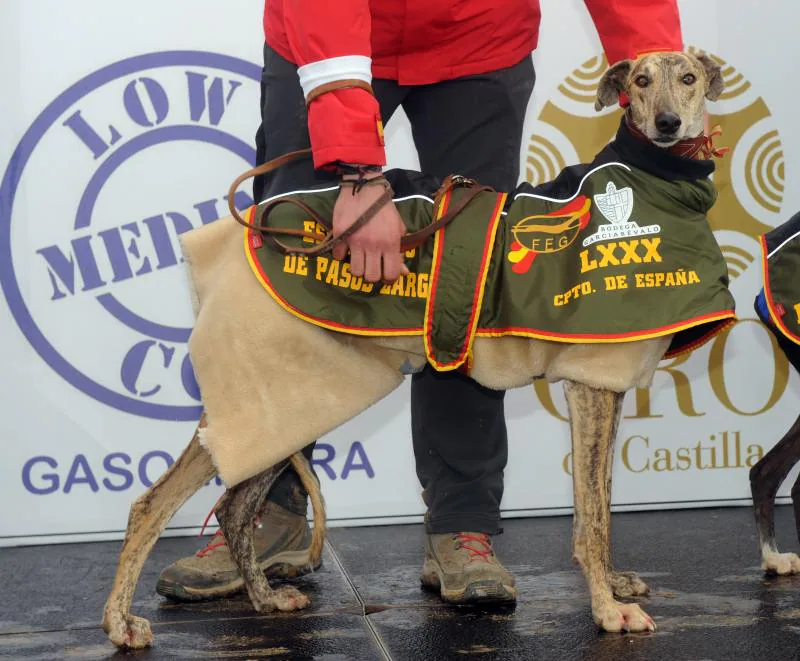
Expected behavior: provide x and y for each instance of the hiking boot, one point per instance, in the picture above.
(463, 568)
(282, 540)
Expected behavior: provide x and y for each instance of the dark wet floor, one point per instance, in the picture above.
(708, 597)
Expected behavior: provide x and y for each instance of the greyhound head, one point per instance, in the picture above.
(667, 93)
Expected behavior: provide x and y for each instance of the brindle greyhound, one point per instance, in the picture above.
(667, 94)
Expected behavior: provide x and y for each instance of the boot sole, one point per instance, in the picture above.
(477, 592)
(285, 565)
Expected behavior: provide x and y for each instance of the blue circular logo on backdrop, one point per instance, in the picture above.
(92, 204)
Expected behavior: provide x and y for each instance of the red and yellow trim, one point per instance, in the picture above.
(726, 316)
(776, 318)
(477, 298)
(700, 341)
(262, 277)
(433, 278)
(611, 338)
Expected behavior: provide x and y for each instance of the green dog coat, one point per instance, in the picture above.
(780, 253)
(616, 250)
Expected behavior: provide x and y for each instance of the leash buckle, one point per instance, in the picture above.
(461, 180)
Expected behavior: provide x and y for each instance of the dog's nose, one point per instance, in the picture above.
(667, 122)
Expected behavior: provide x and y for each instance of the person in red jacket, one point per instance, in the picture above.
(463, 74)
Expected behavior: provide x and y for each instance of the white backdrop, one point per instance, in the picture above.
(124, 123)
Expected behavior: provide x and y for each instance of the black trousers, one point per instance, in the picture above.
(470, 126)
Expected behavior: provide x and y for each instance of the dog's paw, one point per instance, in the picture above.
(623, 617)
(781, 564)
(627, 584)
(128, 631)
(286, 598)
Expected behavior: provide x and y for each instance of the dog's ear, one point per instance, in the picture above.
(714, 83)
(611, 84)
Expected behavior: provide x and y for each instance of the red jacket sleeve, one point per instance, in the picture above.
(331, 41)
(629, 28)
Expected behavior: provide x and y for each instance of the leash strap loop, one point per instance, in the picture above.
(327, 241)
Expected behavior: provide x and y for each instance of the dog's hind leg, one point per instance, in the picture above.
(766, 478)
(236, 511)
(148, 517)
(594, 415)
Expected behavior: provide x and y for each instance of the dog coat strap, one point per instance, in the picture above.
(473, 189)
(461, 257)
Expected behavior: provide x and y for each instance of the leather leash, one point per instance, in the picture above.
(327, 241)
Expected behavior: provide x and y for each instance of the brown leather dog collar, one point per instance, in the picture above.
(700, 147)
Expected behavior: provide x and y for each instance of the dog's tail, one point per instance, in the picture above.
(311, 485)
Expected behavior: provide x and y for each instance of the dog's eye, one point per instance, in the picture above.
(642, 81)
(689, 79)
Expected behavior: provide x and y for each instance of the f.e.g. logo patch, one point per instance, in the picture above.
(91, 206)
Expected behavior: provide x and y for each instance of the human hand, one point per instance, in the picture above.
(375, 248)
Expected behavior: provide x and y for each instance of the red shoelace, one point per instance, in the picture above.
(213, 543)
(217, 539)
(463, 540)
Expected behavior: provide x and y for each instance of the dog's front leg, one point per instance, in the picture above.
(766, 478)
(593, 420)
(236, 512)
(148, 517)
